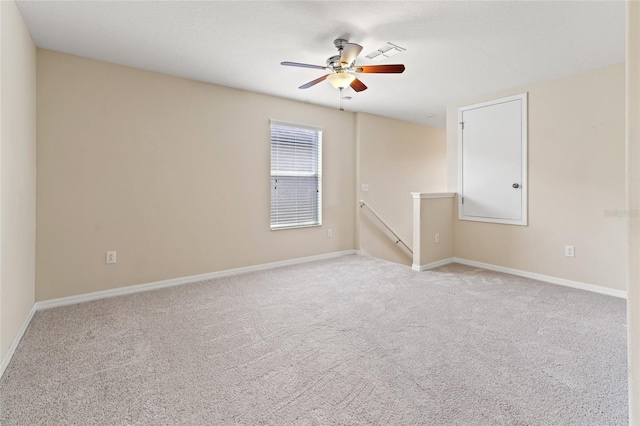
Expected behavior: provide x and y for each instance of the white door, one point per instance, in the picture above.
(492, 162)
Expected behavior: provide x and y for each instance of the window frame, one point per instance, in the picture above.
(318, 175)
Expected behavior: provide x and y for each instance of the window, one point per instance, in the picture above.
(296, 175)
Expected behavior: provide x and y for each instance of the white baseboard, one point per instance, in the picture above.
(71, 300)
(63, 301)
(432, 264)
(16, 340)
(545, 278)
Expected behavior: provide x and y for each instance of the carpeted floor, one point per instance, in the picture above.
(349, 341)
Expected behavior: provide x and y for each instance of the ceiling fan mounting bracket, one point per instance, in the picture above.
(339, 43)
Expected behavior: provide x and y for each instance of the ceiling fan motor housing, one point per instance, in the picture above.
(334, 63)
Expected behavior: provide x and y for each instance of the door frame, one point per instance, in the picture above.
(525, 175)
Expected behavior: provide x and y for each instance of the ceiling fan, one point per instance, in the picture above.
(343, 68)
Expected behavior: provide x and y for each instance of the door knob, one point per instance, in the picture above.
(515, 185)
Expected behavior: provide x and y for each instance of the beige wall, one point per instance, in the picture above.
(633, 204)
(17, 173)
(395, 158)
(432, 216)
(172, 174)
(576, 172)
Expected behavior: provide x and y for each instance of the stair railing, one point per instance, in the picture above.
(397, 237)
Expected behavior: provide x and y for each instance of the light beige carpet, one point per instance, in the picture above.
(350, 341)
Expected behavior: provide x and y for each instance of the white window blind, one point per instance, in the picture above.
(296, 175)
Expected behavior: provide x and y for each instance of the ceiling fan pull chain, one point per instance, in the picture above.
(341, 108)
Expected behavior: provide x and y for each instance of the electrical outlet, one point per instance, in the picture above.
(437, 238)
(111, 257)
(329, 232)
(570, 251)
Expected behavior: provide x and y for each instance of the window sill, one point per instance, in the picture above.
(279, 228)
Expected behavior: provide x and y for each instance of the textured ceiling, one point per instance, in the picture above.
(455, 50)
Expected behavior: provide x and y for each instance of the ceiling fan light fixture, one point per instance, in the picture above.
(341, 80)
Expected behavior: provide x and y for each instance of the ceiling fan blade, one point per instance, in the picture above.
(358, 86)
(298, 64)
(386, 69)
(349, 52)
(314, 82)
